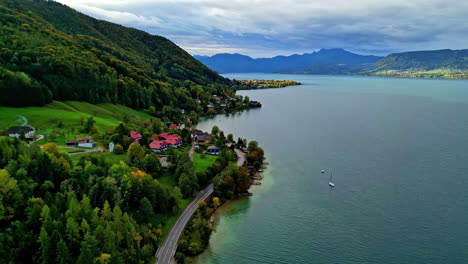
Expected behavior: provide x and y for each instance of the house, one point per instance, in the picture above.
(71, 143)
(158, 145)
(84, 141)
(164, 135)
(197, 132)
(173, 126)
(135, 136)
(213, 150)
(174, 141)
(16, 131)
(202, 138)
(81, 141)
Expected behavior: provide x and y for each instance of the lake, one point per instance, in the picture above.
(398, 151)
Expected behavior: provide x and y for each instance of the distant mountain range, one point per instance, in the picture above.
(322, 61)
(437, 63)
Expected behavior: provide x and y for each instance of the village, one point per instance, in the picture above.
(200, 143)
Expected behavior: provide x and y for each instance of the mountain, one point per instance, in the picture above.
(424, 60)
(323, 61)
(49, 51)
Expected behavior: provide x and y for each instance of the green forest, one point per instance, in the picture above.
(49, 51)
(111, 207)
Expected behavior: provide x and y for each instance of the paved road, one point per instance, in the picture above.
(166, 251)
(241, 159)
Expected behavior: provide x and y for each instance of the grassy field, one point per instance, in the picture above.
(69, 113)
(201, 164)
(111, 157)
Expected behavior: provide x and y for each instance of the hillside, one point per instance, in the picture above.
(424, 60)
(69, 113)
(323, 61)
(52, 52)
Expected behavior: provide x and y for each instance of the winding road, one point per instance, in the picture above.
(165, 252)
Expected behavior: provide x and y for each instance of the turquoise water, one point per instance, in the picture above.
(398, 149)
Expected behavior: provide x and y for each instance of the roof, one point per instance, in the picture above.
(173, 140)
(173, 126)
(135, 135)
(213, 148)
(203, 137)
(84, 138)
(17, 129)
(197, 132)
(164, 135)
(157, 144)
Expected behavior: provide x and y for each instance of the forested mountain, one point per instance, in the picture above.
(323, 61)
(424, 60)
(49, 51)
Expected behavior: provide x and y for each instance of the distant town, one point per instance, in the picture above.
(264, 84)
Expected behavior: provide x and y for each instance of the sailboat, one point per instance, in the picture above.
(330, 182)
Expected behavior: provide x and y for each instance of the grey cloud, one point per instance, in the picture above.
(270, 27)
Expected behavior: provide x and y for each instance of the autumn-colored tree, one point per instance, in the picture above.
(216, 202)
(51, 148)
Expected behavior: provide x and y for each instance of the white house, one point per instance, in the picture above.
(17, 130)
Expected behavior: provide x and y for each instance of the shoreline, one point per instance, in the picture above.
(212, 218)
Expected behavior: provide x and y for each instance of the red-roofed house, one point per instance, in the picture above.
(174, 141)
(158, 145)
(173, 126)
(164, 135)
(135, 136)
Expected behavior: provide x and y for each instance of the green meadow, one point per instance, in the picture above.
(201, 164)
(69, 113)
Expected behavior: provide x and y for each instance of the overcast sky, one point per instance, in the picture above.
(265, 28)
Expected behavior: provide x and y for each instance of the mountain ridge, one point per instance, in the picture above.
(226, 62)
(53, 52)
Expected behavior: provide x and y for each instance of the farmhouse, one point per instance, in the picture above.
(81, 141)
(164, 135)
(213, 150)
(135, 136)
(174, 141)
(165, 141)
(202, 138)
(17, 130)
(158, 145)
(196, 132)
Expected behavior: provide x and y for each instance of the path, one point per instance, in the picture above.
(166, 251)
(85, 150)
(192, 151)
(241, 157)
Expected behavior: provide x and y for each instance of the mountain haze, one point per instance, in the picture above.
(337, 60)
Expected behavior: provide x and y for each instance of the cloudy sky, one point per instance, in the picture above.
(265, 28)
